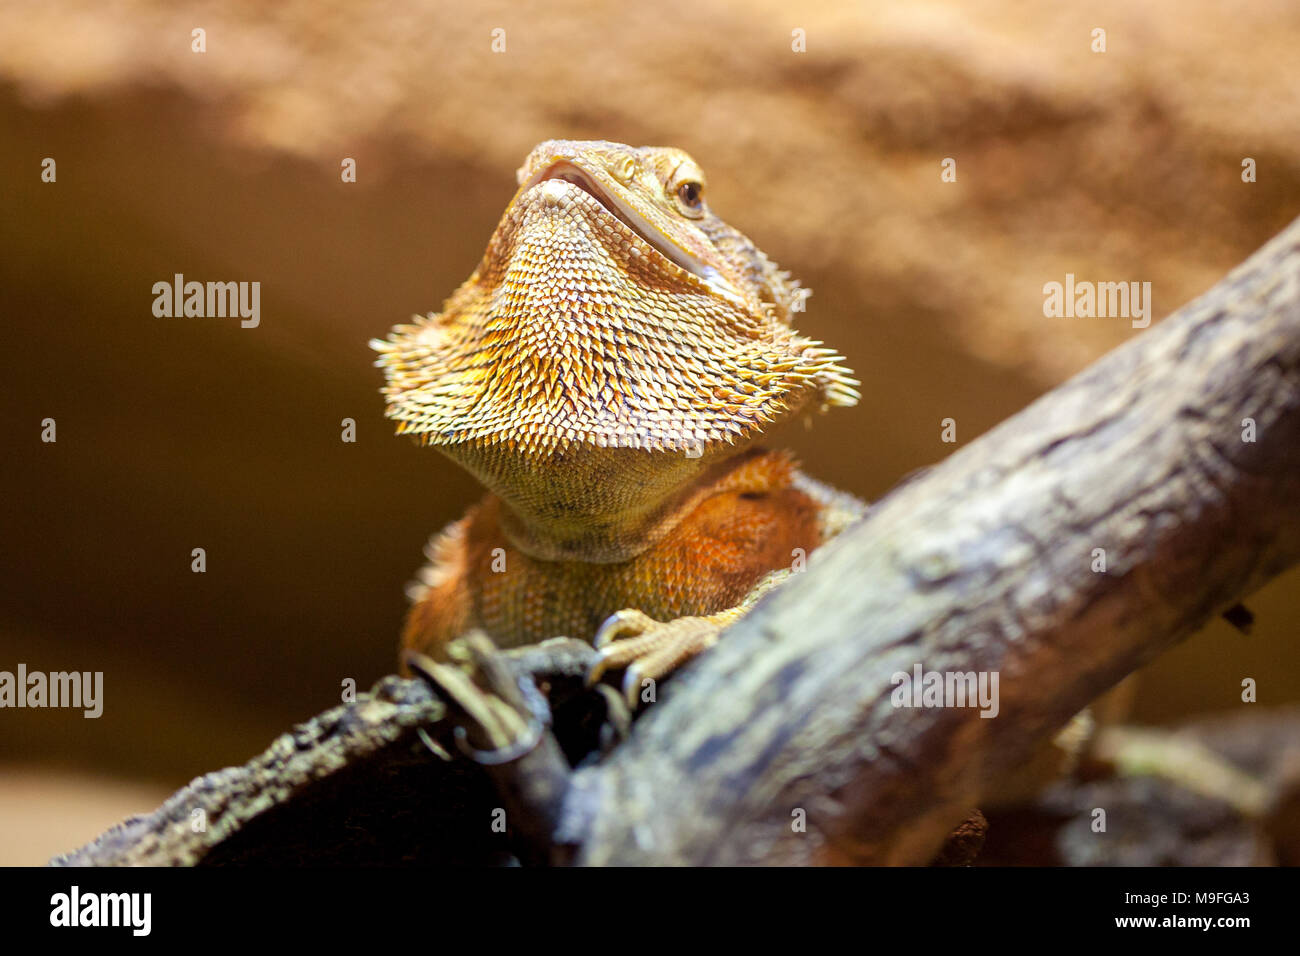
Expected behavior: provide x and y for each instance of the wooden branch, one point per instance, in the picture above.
(210, 818)
(983, 564)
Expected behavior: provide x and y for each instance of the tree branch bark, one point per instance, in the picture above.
(982, 564)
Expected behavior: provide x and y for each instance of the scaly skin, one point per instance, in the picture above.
(603, 372)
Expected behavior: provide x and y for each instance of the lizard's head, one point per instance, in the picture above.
(616, 340)
(611, 309)
(657, 194)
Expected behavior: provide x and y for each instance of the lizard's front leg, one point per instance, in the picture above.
(651, 650)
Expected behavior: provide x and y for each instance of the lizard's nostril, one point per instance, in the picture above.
(624, 170)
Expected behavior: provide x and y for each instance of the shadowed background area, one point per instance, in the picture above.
(225, 166)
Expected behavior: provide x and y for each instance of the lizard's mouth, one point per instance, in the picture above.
(639, 226)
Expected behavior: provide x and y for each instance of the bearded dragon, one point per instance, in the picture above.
(604, 372)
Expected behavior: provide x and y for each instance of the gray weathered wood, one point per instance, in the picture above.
(982, 564)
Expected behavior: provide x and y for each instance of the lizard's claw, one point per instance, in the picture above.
(649, 649)
(628, 622)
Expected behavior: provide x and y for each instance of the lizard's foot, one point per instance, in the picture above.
(649, 649)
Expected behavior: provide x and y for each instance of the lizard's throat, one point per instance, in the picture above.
(586, 503)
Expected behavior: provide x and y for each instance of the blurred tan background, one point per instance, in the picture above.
(224, 166)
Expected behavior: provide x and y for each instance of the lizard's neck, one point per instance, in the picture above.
(586, 503)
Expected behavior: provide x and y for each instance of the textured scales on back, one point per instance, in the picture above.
(602, 372)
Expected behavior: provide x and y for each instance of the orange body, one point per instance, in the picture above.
(751, 522)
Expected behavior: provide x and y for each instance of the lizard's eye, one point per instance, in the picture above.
(691, 194)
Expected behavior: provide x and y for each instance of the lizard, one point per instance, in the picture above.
(605, 372)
